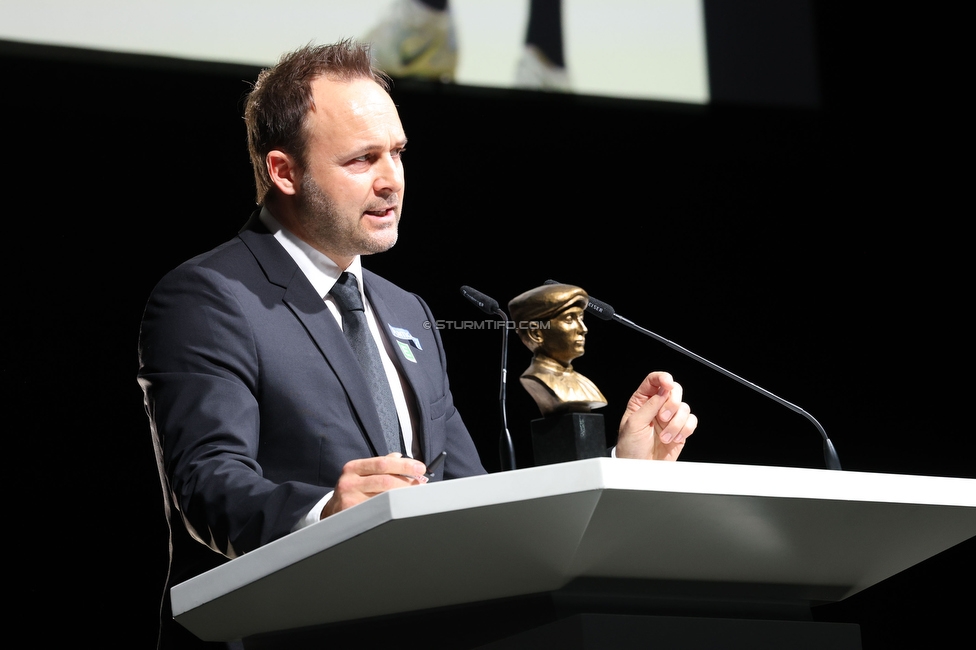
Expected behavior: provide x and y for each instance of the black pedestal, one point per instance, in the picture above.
(568, 436)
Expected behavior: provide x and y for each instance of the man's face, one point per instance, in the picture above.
(351, 190)
(566, 336)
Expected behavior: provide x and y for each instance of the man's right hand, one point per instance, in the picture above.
(367, 477)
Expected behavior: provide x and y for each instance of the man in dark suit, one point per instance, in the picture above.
(260, 407)
(266, 417)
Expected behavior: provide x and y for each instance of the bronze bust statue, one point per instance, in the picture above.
(549, 321)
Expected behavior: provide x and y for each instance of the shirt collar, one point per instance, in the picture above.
(320, 270)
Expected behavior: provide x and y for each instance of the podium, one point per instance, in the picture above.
(630, 547)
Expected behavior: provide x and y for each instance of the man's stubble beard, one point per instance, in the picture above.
(324, 223)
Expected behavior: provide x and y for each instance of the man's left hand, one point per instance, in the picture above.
(656, 423)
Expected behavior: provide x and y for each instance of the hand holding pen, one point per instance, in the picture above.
(367, 477)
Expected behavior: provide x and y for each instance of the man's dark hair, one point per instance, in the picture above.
(277, 107)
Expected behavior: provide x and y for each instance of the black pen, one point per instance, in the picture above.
(435, 465)
(431, 469)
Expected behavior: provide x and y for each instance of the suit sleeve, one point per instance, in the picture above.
(462, 455)
(199, 372)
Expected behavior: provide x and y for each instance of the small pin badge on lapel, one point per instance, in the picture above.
(405, 335)
(407, 352)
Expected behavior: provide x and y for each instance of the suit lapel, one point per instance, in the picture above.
(414, 376)
(309, 308)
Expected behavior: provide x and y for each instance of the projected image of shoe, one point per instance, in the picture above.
(535, 71)
(415, 41)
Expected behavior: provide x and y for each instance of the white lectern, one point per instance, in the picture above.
(667, 544)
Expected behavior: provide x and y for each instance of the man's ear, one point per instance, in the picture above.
(284, 172)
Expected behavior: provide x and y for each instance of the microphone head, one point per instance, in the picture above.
(480, 300)
(600, 309)
(596, 307)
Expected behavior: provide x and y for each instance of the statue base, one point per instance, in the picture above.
(568, 436)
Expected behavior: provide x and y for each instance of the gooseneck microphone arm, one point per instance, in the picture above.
(506, 451)
(604, 311)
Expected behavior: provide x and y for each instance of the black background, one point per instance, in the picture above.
(812, 243)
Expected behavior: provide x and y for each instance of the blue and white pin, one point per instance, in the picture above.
(402, 335)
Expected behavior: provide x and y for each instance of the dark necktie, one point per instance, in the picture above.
(350, 303)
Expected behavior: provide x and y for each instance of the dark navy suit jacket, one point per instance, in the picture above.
(256, 400)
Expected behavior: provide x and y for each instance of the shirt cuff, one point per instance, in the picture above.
(314, 514)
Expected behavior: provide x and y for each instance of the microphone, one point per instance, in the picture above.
(506, 451)
(482, 302)
(605, 312)
(596, 307)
